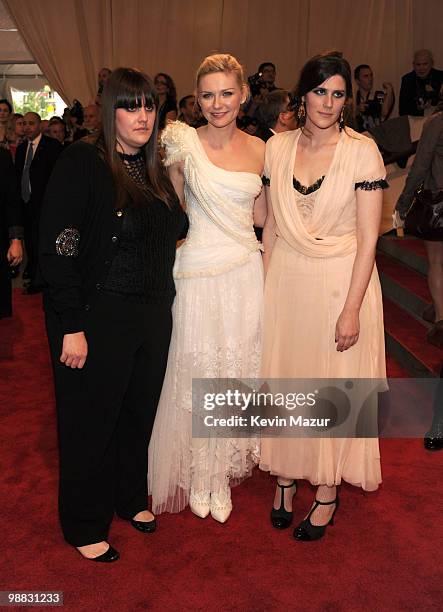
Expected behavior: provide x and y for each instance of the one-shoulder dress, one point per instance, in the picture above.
(217, 323)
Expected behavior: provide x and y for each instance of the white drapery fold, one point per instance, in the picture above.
(72, 39)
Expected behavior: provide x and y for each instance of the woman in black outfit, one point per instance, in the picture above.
(167, 95)
(109, 227)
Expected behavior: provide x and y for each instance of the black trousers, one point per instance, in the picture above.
(106, 412)
(5, 283)
(32, 212)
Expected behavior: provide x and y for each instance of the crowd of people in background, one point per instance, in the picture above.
(369, 106)
(268, 110)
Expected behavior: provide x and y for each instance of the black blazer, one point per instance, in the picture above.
(264, 133)
(80, 231)
(412, 88)
(11, 221)
(42, 164)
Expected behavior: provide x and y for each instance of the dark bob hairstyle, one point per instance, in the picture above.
(129, 88)
(8, 104)
(318, 69)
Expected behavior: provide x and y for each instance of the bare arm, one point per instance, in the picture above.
(260, 209)
(176, 174)
(369, 207)
(269, 231)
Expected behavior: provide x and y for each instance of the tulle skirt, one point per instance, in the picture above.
(217, 333)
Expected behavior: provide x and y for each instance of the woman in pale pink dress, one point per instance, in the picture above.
(323, 308)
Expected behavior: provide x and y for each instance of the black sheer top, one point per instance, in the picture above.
(142, 266)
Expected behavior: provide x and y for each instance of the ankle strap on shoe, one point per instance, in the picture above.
(286, 486)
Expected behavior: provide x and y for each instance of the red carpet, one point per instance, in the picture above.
(384, 552)
(406, 329)
(404, 276)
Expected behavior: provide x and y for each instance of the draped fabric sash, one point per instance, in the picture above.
(329, 232)
(220, 206)
(202, 177)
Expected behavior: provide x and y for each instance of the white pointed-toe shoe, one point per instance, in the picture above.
(199, 502)
(221, 504)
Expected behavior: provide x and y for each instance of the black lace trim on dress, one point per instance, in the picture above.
(372, 185)
(298, 186)
(365, 185)
(307, 190)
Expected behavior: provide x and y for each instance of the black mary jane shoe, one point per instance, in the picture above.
(280, 517)
(144, 526)
(306, 531)
(109, 556)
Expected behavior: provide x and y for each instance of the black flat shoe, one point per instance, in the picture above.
(109, 556)
(144, 526)
(280, 517)
(306, 531)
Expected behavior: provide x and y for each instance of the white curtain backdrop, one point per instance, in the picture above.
(72, 39)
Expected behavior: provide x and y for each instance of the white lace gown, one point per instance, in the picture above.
(217, 317)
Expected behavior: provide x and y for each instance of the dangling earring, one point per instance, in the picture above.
(341, 121)
(301, 113)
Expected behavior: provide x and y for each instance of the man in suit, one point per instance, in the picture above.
(34, 161)
(275, 114)
(11, 230)
(420, 88)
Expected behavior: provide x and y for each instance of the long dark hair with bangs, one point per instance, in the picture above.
(130, 88)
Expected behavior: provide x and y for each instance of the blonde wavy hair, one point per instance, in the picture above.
(222, 62)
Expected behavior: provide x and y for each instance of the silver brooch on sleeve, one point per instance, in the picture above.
(67, 242)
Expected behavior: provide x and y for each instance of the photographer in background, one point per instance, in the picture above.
(260, 83)
(371, 110)
(420, 88)
(263, 81)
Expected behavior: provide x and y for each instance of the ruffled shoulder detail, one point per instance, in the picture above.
(175, 140)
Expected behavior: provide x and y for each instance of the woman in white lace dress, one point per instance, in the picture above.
(217, 312)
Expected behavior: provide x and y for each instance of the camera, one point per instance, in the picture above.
(256, 84)
(379, 96)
